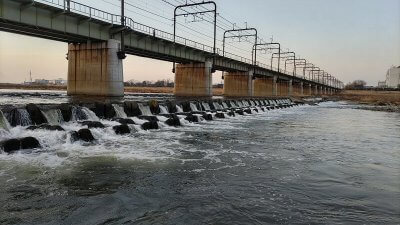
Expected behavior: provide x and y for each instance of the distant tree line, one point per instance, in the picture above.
(158, 83)
(146, 83)
(362, 85)
(356, 85)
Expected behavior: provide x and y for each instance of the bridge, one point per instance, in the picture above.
(98, 41)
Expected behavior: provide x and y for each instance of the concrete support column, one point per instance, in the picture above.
(263, 87)
(193, 79)
(321, 90)
(275, 86)
(95, 69)
(316, 90)
(290, 87)
(309, 89)
(301, 88)
(283, 88)
(325, 91)
(238, 84)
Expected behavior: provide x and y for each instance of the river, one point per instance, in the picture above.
(326, 164)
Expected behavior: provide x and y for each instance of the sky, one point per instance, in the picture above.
(351, 39)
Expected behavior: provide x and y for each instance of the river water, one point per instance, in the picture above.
(326, 164)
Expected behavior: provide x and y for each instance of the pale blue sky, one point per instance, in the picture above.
(351, 39)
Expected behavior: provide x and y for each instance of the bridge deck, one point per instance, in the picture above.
(51, 19)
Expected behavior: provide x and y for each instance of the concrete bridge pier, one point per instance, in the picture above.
(275, 86)
(315, 90)
(321, 90)
(264, 86)
(95, 69)
(298, 89)
(301, 88)
(238, 84)
(283, 88)
(308, 89)
(193, 79)
(290, 87)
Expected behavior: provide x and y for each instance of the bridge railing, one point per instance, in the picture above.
(234, 56)
(98, 14)
(83, 9)
(139, 27)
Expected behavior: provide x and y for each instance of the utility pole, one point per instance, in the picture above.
(199, 11)
(268, 48)
(121, 53)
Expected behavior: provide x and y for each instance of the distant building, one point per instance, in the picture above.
(381, 84)
(41, 81)
(393, 77)
(60, 81)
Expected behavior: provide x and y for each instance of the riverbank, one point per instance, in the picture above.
(373, 100)
(33, 87)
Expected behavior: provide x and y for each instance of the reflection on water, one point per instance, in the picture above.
(322, 164)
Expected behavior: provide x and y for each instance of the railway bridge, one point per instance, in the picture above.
(98, 42)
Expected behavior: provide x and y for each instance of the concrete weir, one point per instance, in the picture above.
(78, 121)
(95, 69)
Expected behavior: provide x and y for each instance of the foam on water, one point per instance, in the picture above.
(83, 113)
(119, 111)
(138, 145)
(193, 107)
(90, 114)
(24, 117)
(206, 106)
(53, 116)
(163, 109)
(217, 106)
(4, 125)
(199, 117)
(162, 118)
(138, 121)
(179, 109)
(145, 109)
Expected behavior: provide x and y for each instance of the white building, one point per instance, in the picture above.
(393, 77)
(41, 81)
(60, 81)
(381, 84)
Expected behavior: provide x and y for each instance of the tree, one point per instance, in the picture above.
(356, 85)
